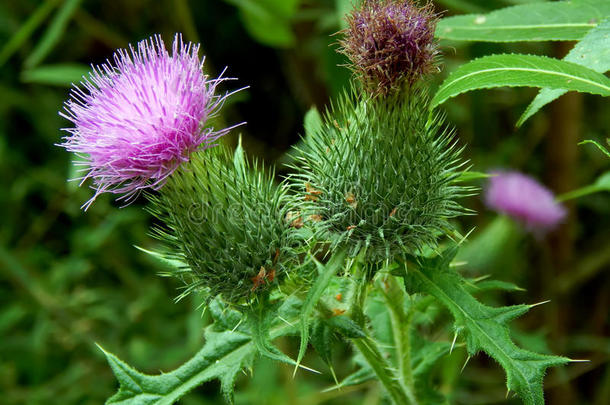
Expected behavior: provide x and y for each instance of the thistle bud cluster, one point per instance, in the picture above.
(377, 175)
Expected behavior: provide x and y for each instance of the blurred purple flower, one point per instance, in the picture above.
(524, 199)
(390, 42)
(137, 119)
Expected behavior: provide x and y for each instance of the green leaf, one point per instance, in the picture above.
(345, 326)
(326, 274)
(604, 150)
(601, 184)
(553, 21)
(58, 75)
(485, 327)
(268, 21)
(521, 70)
(223, 356)
(468, 175)
(239, 157)
(26, 30)
(167, 259)
(53, 33)
(321, 340)
(592, 51)
(312, 122)
(261, 318)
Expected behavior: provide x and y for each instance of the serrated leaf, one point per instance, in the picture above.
(222, 357)
(224, 354)
(260, 319)
(592, 51)
(313, 296)
(497, 285)
(426, 355)
(359, 376)
(485, 327)
(556, 21)
(224, 316)
(321, 335)
(516, 70)
(346, 327)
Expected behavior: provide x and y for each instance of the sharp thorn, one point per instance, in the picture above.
(539, 303)
(236, 326)
(464, 366)
(453, 343)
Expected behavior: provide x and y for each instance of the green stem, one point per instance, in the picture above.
(398, 392)
(381, 368)
(394, 297)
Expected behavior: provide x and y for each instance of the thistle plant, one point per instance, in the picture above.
(358, 241)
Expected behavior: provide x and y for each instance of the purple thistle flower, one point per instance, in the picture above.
(524, 199)
(137, 119)
(389, 43)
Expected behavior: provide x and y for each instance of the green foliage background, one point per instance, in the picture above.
(69, 279)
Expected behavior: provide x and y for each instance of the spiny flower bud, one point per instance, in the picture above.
(390, 43)
(226, 221)
(381, 176)
(138, 119)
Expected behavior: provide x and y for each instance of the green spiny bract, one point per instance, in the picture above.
(379, 174)
(227, 222)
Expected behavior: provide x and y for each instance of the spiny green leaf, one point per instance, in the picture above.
(223, 355)
(485, 327)
(326, 273)
(554, 21)
(426, 355)
(260, 319)
(345, 326)
(521, 70)
(321, 335)
(592, 51)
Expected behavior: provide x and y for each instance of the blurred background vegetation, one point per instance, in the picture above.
(70, 279)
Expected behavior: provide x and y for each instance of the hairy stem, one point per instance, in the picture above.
(398, 392)
(394, 297)
(368, 349)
